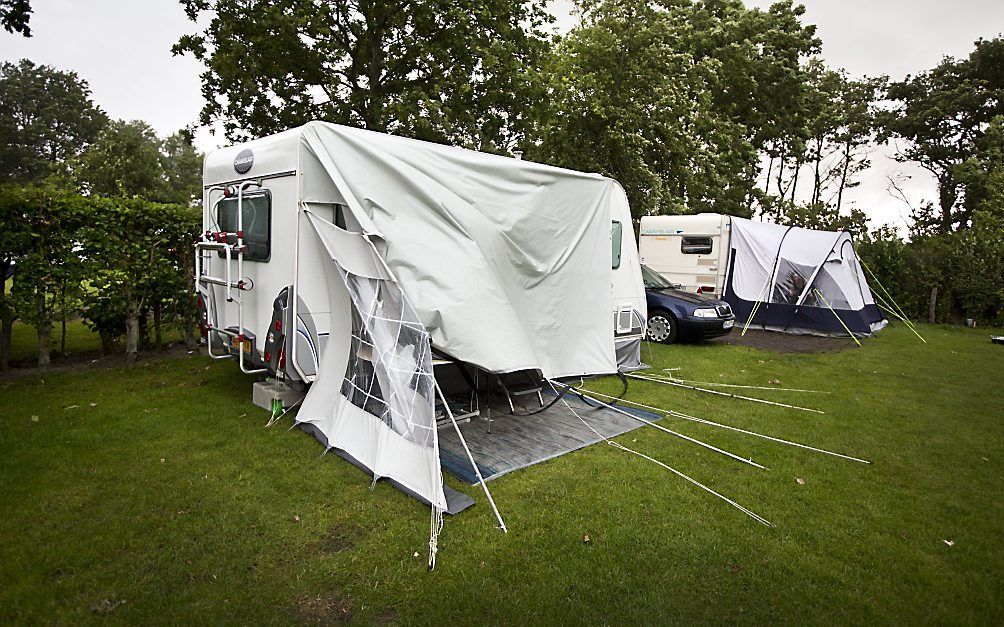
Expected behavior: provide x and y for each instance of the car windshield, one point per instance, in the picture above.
(654, 281)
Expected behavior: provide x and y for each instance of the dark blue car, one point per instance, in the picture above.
(674, 314)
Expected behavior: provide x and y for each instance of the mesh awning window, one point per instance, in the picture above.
(790, 281)
(389, 372)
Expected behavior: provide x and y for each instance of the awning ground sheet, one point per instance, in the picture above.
(516, 442)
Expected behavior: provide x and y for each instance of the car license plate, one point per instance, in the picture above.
(728, 324)
(247, 344)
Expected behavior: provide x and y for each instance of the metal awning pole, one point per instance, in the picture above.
(470, 457)
(725, 394)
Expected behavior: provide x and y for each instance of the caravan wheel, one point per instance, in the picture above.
(661, 327)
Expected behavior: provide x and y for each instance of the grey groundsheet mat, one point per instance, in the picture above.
(518, 441)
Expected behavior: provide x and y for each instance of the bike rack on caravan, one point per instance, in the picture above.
(220, 241)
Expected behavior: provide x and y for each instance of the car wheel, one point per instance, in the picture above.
(662, 328)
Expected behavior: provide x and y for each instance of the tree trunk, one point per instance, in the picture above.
(6, 316)
(947, 195)
(6, 330)
(816, 182)
(144, 329)
(780, 175)
(132, 333)
(44, 329)
(843, 175)
(62, 321)
(794, 181)
(770, 167)
(157, 337)
(934, 302)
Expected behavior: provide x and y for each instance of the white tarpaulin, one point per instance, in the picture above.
(515, 278)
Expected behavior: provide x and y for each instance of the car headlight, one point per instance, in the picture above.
(706, 313)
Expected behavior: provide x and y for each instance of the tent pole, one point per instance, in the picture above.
(748, 387)
(677, 414)
(756, 305)
(751, 514)
(671, 432)
(888, 294)
(477, 471)
(726, 394)
(849, 332)
(906, 321)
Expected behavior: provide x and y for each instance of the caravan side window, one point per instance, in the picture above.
(616, 233)
(695, 245)
(257, 223)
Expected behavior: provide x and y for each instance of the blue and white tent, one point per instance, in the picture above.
(798, 280)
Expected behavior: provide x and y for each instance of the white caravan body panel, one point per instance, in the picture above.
(691, 250)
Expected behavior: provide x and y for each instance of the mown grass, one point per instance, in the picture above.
(79, 340)
(167, 501)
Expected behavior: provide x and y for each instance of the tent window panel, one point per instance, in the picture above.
(389, 372)
(696, 245)
(831, 291)
(616, 237)
(257, 223)
(790, 282)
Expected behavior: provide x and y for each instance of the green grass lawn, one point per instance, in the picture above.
(80, 340)
(24, 341)
(155, 495)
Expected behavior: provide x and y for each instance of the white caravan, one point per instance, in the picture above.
(775, 277)
(689, 250)
(352, 262)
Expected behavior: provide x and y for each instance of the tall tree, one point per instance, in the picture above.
(51, 220)
(443, 70)
(124, 160)
(138, 243)
(47, 117)
(941, 115)
(15, 15)
(675, 99)
(182, 167)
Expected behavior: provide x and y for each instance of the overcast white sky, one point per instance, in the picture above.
(122, 49)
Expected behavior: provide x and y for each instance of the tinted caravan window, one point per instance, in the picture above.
(257, 223)
(695, 245)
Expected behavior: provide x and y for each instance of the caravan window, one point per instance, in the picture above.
(616, 233)
(695, 245)
(257, 223)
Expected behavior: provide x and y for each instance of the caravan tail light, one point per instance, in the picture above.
(706, 289)
(268, 357)
(278, 326)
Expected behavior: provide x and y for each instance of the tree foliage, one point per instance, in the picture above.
(47, 118)
(141, 247)
(128, 159)
(444, 70)
(44, 220)
(941, 117)
(15, 15)
(677, 100)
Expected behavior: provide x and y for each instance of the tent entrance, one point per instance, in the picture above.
(514, 441)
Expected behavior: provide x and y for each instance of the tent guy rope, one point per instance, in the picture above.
(673, 382)
(477, 471)
(747, 387)
(760, 519)
(682, 436)
(681, 416)
(839, 319)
